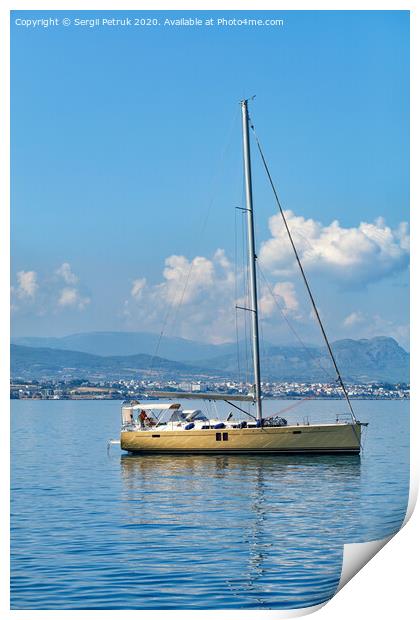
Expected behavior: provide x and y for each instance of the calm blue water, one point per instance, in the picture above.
(98, 530)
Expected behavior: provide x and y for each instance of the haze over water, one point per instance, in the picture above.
(93, 529)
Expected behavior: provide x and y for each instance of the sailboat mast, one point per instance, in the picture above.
(251, 258)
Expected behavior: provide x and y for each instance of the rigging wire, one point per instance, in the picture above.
(311, 297)
(300, 402)
(238, 357)
(262, 341)
(309, 352)
(247, 333)
(240, 264)
(205, 220)
(292, 329)
(263, 348)
(206, 217)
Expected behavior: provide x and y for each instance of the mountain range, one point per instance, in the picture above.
(130, 343)
(110, 354)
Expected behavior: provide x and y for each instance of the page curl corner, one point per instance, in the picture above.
(356, 556)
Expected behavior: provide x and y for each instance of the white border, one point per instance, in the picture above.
(387, 586)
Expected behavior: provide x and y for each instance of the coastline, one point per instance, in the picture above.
(141, 397)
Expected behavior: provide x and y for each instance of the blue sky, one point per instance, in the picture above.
(126, 151)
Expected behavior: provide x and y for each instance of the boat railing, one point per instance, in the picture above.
(345, 418)
(340, 418)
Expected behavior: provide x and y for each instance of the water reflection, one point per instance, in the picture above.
(271, 522)
(131, 463)
(190, 532)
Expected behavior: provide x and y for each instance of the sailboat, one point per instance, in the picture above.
(156, 427)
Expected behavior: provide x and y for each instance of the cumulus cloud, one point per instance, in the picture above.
(185, 281)
(27, 284)
(49, 294)
(355, 255)
(70, 297)
(284, 294)
(353, 319)
(371, 325)
(137, 288)
(197, 297)
(65, 272)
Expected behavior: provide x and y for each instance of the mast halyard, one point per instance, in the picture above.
(251, 258)
(305, 280)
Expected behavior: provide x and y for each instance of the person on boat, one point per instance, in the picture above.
(145, 419)
(142, 418)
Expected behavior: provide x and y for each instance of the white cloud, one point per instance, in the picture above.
(369, 326)
(221, 259)
(65, 272)
(47, 295)
(353, 319)
(351, 255)
(196, 297)
(70, 297)
(137, 288)
(185, 281)
(27, 284)
(284, 294)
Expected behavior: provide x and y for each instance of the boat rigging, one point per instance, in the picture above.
(147, 428)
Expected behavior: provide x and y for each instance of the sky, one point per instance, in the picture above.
(126, 173)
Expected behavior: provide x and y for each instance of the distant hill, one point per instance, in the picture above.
(129, 343)
(377, 359)
(36, 362)
(374, 360)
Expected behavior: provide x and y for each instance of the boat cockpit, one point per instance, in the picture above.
(136, 416)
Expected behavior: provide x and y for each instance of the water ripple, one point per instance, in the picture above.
(91, 531)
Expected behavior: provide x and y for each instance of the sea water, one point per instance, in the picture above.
(93, 528)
